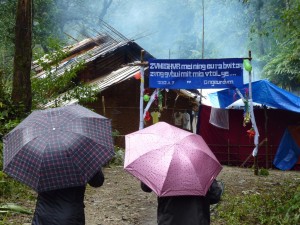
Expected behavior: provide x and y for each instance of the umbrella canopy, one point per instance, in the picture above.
(170, 161)
(58, 148)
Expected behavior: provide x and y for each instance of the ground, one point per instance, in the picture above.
(120, 201)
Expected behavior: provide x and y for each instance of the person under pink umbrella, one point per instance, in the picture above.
(179, 167)
(187, 209)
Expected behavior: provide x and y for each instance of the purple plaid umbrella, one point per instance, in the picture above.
(58, 148)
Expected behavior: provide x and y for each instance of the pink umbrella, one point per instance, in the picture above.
(171, 161)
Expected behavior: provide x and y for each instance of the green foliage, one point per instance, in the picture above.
(283, 62)
(45, 23)
(44, 26)
(278, 206)
(10, 115)
(5, 186)
(10, 188)
(292, 208)
(11, 207)
(275, 40)
(59, 82)
(118, 158)
(263, 172)
(12, 191)
(7, 17)
(115, 133)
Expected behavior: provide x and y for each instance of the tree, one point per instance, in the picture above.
(275, 39)
(53, 87)
(283, 62)
(50, 21)
(21, 90)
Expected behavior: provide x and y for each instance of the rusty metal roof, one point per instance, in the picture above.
(106, 81)
(115, 77)
(85, 56)
(101, 46)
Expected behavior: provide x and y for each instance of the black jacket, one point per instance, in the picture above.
(186, 210)
(63, 206)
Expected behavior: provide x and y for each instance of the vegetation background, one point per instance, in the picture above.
(167, 29)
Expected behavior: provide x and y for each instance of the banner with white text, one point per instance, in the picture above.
(195, 73)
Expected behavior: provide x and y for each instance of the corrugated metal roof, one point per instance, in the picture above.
(115, 77)
(88, 56)
(89, 50)
(106, 81)
(99, 45)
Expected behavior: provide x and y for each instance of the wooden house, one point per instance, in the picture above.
(110, 60)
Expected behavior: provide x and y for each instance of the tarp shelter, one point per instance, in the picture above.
(263, 92)
(234, 146)
(289, 149)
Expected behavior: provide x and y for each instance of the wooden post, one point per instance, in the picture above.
(253, 123)
(142, 65)
(103, 106)
(203, 35)
(21, 87)
(142, 88)
(266, 135)
(228, 152)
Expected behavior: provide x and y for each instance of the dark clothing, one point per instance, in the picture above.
(183, 210)
(186, 210)
(215, 192)
(63, 206)
(97, 180)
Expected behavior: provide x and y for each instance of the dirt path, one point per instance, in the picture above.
(121, 201)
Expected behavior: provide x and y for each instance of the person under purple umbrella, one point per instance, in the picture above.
(57, 152)
(187, 209)
(64, 206)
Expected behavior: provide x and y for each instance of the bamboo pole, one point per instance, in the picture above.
(142, 88)
(203, 34)
(253, 123)
(142, 65)
(228, 151)
(103, 106)
(266, 135)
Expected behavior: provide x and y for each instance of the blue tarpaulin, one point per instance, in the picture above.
(288, 152)
(263, 92)
(270, 95)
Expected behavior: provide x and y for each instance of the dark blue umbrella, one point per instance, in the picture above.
(58, 148)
